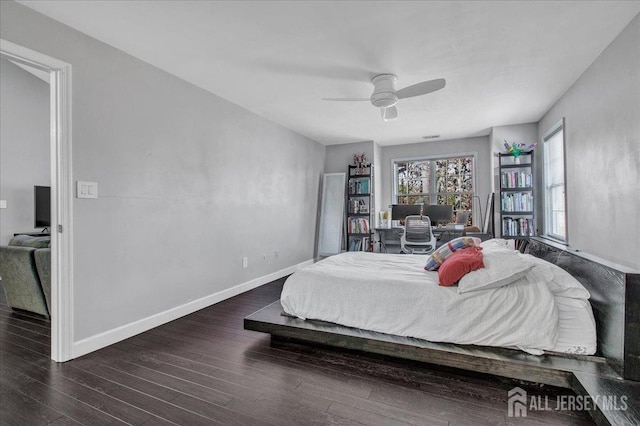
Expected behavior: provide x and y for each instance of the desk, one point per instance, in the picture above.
(448, 232)
(390, 237)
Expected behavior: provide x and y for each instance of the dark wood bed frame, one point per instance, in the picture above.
(613, 370)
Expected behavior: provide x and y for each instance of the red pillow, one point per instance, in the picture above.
(459, 264)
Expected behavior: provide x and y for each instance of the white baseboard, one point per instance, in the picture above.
(99, 341)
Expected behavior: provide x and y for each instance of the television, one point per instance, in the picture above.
(42, 206)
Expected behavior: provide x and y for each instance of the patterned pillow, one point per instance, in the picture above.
(446, 250)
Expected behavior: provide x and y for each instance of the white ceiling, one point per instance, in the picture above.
(504, 62)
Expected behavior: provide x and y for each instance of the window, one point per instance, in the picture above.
(555, 220)
(435, 181)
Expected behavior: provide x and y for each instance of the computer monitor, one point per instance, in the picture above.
(438, 213)
(401, 211)
(42, 206)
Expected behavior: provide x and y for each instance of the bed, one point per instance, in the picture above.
(544, 309)
(614, 367)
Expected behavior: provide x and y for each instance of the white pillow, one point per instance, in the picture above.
(497, 243)
(501, 267)
(576, 327)
(562, 283)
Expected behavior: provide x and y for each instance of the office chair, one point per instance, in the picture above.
(418, 237)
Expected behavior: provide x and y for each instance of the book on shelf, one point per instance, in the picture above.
(359, 244)
(365, 244)
(359, 186)
(358, 206)
(518, 227)
(358, 225)
(516, 179)
(364, 186)
(517, 202)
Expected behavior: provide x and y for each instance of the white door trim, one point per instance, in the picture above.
(61, 194)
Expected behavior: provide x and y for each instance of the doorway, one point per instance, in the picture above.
(61, 192)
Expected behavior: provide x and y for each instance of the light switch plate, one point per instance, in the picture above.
(3, 204)
(86, 189)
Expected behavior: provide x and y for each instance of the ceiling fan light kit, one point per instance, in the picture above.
(389, 114)
(385, 96)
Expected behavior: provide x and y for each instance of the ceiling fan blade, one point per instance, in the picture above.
(421, 88)
(389, 114)
(346, 99)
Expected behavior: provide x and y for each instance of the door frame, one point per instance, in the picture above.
(61, 193)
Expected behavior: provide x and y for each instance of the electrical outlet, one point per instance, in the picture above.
(264, 257)
(245, 262)
(276, 254)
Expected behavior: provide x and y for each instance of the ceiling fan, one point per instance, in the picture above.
(385, 96)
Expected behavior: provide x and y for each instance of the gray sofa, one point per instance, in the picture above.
(25, 270)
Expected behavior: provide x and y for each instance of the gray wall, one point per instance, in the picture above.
(338, 157)
(24, 146)
(188, 183)
(519, 133)
(477, 145)
(602, 134)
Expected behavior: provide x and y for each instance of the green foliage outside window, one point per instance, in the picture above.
(441, 181)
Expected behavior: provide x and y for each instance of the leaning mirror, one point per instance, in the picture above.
(331, 214)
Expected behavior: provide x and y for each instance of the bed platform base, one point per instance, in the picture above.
(551, 369)
(585, 375)
(615, 299)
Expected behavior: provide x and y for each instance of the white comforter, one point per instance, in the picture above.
(393, 294)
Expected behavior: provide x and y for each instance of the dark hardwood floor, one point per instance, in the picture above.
(206, 369)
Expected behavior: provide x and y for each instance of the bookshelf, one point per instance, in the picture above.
(360, 208)
(517, 195)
